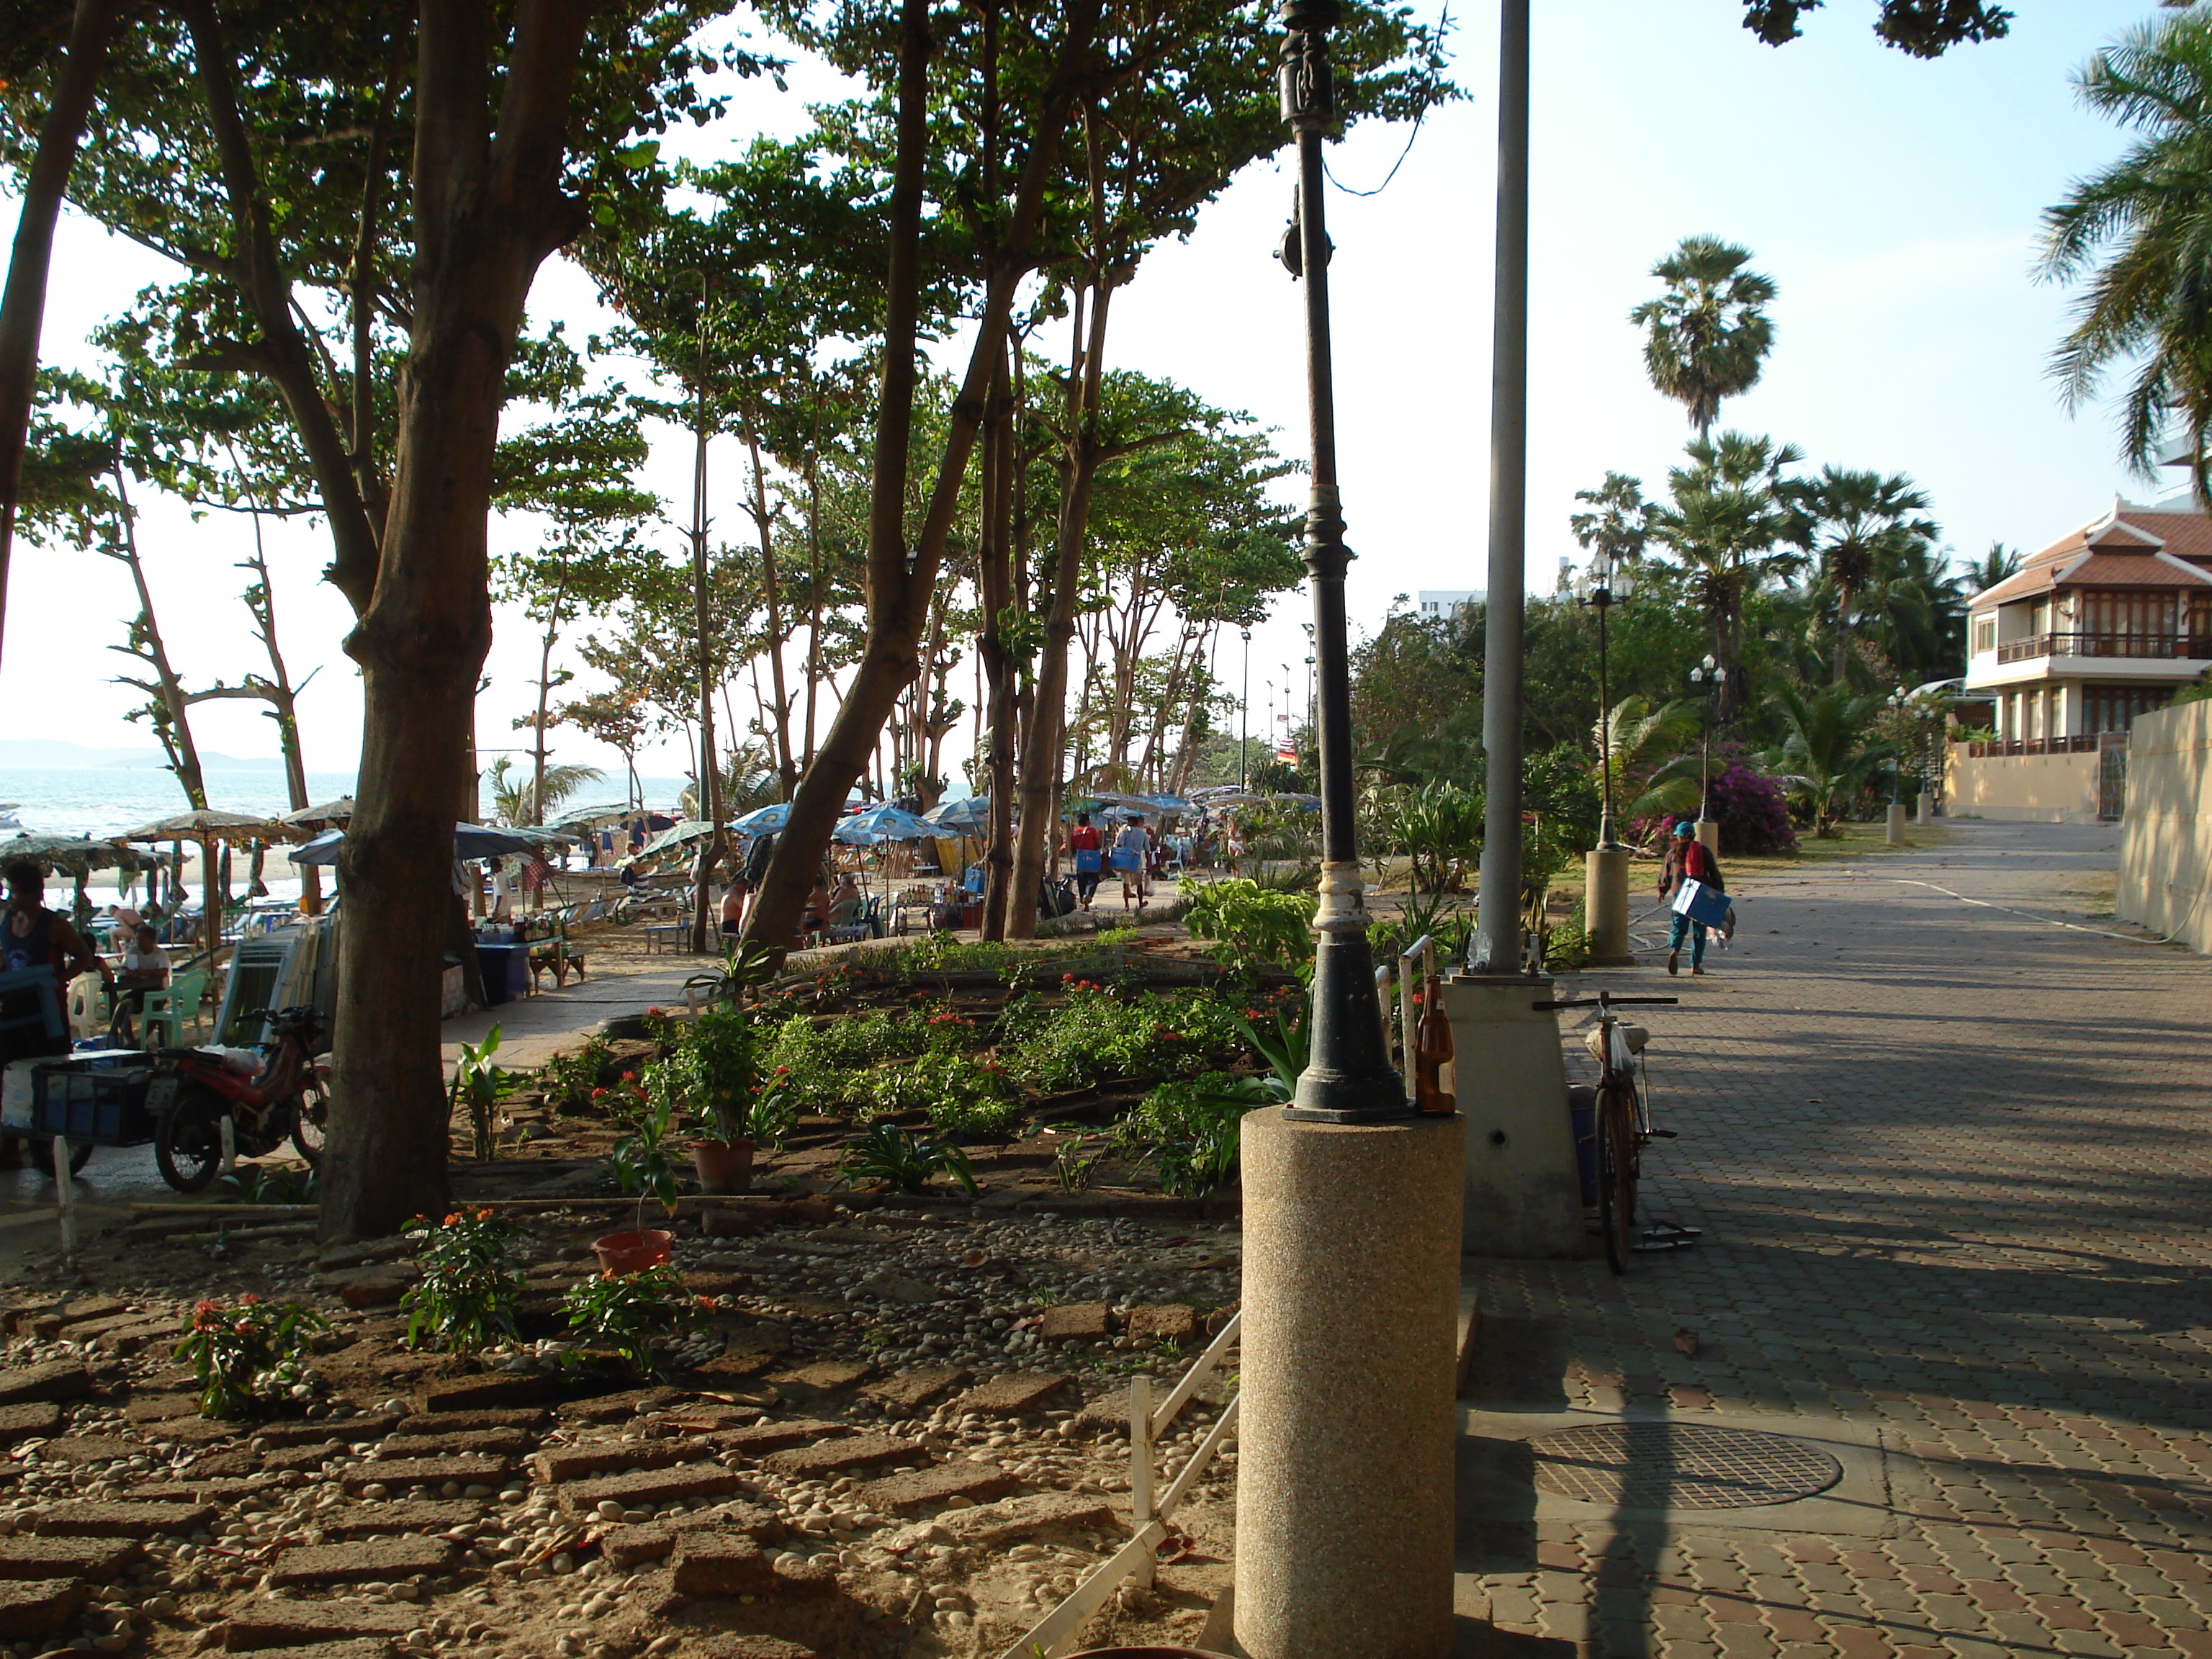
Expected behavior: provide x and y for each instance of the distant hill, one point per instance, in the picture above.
(76, 757)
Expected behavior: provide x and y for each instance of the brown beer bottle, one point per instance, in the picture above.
(1433, 1048)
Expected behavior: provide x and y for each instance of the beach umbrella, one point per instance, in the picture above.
(689, 833)
(470, 841)
(322, 814)
(590, 817)
(765, 821)
(212, 829)
(881, 824)
(74, 855)
(969, 816)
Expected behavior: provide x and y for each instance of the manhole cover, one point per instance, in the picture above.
(1679, 1466)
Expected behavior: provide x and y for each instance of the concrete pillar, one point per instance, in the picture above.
(1896, 834)
(1923, 810)
(1523, 1196)
(1605, 905)
(1344, 1495)
(1709, 836)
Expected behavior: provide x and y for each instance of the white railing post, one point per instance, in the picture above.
(1383, 978)
(1140, 1466)
(1422, 950)
(65, 1195)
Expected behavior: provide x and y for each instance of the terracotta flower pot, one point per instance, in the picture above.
(631, 1252)
(724, 1166)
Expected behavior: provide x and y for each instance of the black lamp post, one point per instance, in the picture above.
(1704, 681)
(1608, 579)
(1349, 1078)
(1244, 717)
(1898, 699)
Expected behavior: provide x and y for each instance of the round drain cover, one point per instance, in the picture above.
(1679, 1466)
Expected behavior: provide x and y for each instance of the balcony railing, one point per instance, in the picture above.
(2086, 744)
(2083, 644)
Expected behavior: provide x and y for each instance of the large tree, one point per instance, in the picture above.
(1856, 526)
(1707, 336)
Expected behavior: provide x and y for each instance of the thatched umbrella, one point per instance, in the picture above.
(212, 829)
(312, 821)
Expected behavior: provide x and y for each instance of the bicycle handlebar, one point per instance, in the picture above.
(1605, 1001)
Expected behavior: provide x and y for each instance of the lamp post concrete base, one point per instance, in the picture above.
(1605, 905)
(1709, 836)
(1923, 810)
(1523, 1196)
(1345, 1473)
(1895, 835)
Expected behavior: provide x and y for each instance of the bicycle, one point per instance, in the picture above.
(1621, 1123)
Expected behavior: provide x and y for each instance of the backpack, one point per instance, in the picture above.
(1699, 865)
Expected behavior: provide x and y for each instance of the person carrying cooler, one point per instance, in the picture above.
(1087, 854)
(33, 938)
(1133, 854)
(1687, 859)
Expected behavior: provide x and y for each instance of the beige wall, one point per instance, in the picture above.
(2016, 788)
(2166, 835)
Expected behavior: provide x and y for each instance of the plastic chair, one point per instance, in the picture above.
(88, 1010)
(168, 1011)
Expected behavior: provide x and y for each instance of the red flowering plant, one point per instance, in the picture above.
(467, 1296)
(251, 1355)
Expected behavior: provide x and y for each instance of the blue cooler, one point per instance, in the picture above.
(1708, 905)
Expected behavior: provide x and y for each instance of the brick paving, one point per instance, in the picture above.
(1951, 1166)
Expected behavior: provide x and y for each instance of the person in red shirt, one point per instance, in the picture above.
(1687, 859)
(1087, 854)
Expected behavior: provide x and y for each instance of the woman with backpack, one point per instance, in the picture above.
(1687, 859)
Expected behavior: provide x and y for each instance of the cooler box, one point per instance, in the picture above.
(104, 1107)
(1702, 903)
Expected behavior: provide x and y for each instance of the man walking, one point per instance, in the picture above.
(1687, 859)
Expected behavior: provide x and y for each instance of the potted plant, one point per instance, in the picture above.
(640, 1164)
(720, 1076)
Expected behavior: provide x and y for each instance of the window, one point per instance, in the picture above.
(1985, 635)
(2112, 617)
(2113, 707)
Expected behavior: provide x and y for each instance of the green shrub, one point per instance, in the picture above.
(625, 1313)
(963, 1094)
(250, 1354)
(1190, 1130)
(1250, 927)
(469, 1288)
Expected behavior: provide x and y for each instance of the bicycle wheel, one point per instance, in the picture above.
(40, 1151)
(1616, 1171)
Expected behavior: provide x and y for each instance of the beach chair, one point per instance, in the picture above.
(167, 1012)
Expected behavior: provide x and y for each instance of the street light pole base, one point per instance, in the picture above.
(1605, 905)
(1345, 1498)
(1894, 834)
(1709, 836)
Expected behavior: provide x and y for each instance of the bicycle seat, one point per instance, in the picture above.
(1635, 1035)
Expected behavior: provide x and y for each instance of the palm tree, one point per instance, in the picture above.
(1854, 523)
(1620, 525)
(1826, 753)
(2149, 304)
(1725, 521)
(2001, 563)
(511, 795)
(1706, 336)
(1653, 755)
(749, 781)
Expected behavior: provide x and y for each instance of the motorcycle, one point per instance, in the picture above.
(194, 1090)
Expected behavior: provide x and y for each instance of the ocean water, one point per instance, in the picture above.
(108, 800)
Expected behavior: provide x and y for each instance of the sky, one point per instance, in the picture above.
(1895, 202)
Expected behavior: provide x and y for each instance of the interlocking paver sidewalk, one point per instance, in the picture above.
(1954, 1166)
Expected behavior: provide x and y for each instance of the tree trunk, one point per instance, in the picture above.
(489, 207)
(786, 769)
(994, 584)
(22, 308)
(148, 647)
(710, 770)
(1044, 732)
(901, 580)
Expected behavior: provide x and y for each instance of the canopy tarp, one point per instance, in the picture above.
(470, 841)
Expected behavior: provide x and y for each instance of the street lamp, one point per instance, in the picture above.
(1606, 580)
(1895, 832)
(1704, 681)
(1352, 1199)
(1244, 717)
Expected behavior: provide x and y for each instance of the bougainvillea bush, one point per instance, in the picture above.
(1753, 811)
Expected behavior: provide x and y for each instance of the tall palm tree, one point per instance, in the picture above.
(2001, 563)
(1619, 523)
(1707, 336)
(1855, 524)
(1725, 522)
(2149, 215)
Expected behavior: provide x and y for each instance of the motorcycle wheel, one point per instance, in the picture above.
(188, 1141)
(311, 1118)
(40, 1151)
